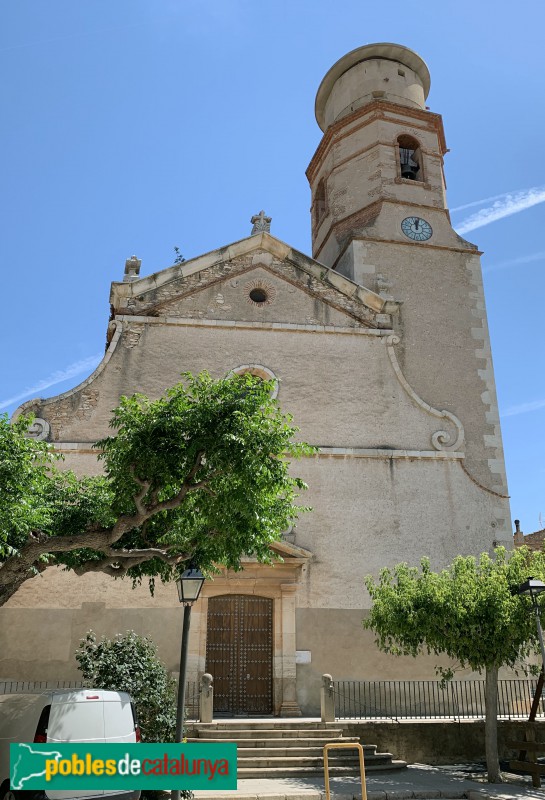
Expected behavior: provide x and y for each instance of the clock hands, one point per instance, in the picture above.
(417, 229)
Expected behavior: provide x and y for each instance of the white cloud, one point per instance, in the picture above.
(513, 262)
(504, 206)
(523, 408)
(77, 368)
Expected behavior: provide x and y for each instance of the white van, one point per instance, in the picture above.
(84, 715)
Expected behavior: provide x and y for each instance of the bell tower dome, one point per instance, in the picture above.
(381, 147)
(376, 71)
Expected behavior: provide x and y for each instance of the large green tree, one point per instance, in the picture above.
(201, 474)
(468, 611)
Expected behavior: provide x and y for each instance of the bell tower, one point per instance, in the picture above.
(381, 147)
(380, 217)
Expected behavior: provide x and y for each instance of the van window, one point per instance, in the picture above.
(41, 728)
(76, 722)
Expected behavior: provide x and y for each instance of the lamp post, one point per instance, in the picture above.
(532, 587)
(189, 586)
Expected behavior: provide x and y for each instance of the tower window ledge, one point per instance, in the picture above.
(410, 182)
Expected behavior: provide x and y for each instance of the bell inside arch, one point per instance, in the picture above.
(409, 166)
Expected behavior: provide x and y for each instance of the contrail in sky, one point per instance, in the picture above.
(77, 368)
(504, 206)
(479, 202)
(513, 262)
(523, 408)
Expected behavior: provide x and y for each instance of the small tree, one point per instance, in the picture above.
(200, 474)
(130, 664)
(467, 612)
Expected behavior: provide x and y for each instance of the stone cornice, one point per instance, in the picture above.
(387, 453)
(287, 549)
(87, 448)
(372, 211)
(291, 327)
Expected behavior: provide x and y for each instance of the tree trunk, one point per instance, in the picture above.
(491, 725)
(13, 573)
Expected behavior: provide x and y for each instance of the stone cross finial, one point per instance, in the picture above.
(132, 269)
(261, 223)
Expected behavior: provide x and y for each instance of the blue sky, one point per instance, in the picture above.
(133, 126)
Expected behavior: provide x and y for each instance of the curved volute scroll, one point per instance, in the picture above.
(441, 440)
(39, 429)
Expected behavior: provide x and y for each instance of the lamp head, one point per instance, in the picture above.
(531, 587)
(189, 585)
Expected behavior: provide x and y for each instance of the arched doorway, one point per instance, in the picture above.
(239, 653)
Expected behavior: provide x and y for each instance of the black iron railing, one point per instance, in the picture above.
(22, 687)
(192, 700)
(431, 699)
(27, 687)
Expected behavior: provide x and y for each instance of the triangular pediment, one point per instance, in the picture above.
(287, 552)
(219, 285)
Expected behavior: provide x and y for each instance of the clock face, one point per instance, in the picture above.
(416, 229)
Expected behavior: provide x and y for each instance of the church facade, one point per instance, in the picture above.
(379, 347)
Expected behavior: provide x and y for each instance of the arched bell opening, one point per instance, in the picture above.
(409, 158)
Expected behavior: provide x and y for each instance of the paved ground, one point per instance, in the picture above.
(417, 781)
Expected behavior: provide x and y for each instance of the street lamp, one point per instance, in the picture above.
(532, 587)
(189, 586)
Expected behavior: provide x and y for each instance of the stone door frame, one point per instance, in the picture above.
(280, 583)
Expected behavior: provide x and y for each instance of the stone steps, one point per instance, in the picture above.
(295, 751)
(270, 760)
(295, 772)
(249, 724)
(268, 749)
(268, 733)
(282, 741)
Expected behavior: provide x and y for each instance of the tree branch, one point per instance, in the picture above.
(92, 538)
(15, 570)
(145, 554)
(187, 487)
(128, 523)
(144, 489)
(118, 562)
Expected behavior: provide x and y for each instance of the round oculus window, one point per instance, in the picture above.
(259, 295)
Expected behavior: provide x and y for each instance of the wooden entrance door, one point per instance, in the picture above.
(239, 649)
